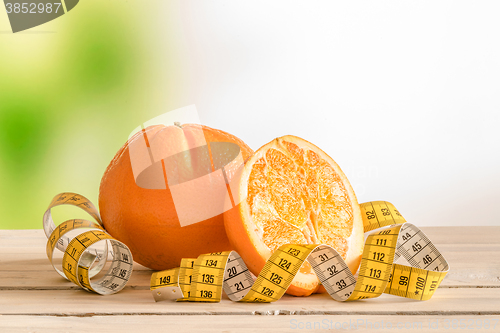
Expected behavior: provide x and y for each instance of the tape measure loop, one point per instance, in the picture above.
(83, 258)
(57, 238)
(389, 238)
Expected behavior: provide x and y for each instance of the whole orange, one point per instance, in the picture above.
(145, 217)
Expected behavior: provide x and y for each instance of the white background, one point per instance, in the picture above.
(405, 96)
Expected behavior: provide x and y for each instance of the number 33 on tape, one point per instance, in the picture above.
(83, 258)
(204, 278)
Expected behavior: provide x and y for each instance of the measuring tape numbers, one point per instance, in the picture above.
(82, 258)
(388, 237)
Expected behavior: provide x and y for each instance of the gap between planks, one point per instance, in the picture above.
(245, 324)
(81, 303)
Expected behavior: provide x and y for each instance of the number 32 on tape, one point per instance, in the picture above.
(204, 278)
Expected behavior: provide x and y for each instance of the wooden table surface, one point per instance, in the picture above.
(34, 298)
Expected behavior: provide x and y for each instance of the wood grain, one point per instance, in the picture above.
(33, 297)
(79, 302)
(473, 263)
(246, 324)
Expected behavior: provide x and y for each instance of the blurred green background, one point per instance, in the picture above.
(345, 76)
(71, 91)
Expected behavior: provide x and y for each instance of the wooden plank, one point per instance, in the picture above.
(50, 280)
(471, 252)
(228, 323)
(472, 265)
(483, 274)
(461, 301)
(463, 235)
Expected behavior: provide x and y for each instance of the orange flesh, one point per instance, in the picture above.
(295, 196)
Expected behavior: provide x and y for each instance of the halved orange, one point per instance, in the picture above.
(290, 191)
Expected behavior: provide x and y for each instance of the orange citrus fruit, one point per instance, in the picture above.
(139, 209)
(290, 191)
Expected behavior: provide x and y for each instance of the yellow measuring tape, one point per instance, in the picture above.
(388, 237)
(204, 278)
(83, 259)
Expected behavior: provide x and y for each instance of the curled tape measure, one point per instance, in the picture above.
(388, 237)
(204, 278)
(82, 258)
